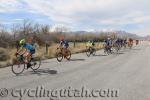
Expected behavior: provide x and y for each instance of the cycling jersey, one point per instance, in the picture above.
(108, 42)
(65, 44)
(90, 44)
(27, 46)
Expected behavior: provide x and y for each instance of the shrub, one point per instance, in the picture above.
(3, 55)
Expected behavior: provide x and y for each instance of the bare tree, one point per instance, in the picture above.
(45, 29)
(26, 27)
(60, 29)
(15, 29)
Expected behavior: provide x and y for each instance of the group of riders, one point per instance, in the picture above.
(117, 44)
(109, 43)
(27, 48)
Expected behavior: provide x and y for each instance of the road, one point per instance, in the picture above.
(127, 73)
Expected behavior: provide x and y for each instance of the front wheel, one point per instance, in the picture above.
(59, 56)
(18, 67)
(35, 64)
(88, 52)
(130, 46)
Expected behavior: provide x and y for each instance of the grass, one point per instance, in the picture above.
(5, 58)
(41, 52)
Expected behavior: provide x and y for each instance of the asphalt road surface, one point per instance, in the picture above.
(123, 76)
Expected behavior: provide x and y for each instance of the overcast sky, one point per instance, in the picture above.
(129, 15)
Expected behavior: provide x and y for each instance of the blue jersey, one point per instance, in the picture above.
(29, 47)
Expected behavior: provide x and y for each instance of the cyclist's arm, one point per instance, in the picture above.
(59, 46)
(20, 50)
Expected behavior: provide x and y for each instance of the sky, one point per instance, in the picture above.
(128, 15)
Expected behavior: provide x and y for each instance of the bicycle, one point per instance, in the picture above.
(90, 51)
(20, 64)
(108, 50)
(116, 48)
(63, 53)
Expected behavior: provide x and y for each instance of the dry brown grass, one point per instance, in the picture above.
(5, 57)
(41, 52)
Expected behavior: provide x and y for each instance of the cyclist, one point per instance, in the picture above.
(124, 43)
(64, 45)
(30, 50)
(130, 43)
(119, 43)
(90, 43)
(108, 44)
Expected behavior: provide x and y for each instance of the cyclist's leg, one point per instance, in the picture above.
(25, 56)
(29, 56)
(21, 51)
(92, 49)
(65, 51)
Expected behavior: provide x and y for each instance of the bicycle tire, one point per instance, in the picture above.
(89, 51)
(59, 56)
(18, 65)
(68, 55)
(38, 63)
(94, 52)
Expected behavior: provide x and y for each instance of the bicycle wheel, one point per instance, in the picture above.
(130, 46)
(107, 51)
(35, 64)
(94, 52)
(18, 67)
(68, 55)
(88, 52)
(116, 49)
(59, 56)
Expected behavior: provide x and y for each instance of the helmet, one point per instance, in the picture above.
(22, 42)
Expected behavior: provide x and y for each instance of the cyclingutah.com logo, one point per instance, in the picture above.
(69, 92)
(3, 92)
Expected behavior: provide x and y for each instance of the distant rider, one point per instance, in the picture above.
(90, 44)
(64, 44)
(108, 44)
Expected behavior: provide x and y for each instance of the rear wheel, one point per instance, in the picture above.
(94, 52)
(68, 55)
(130, 46)
(18, 67)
